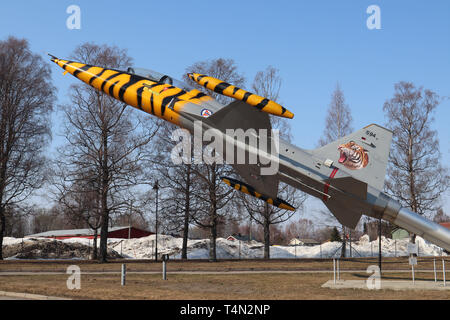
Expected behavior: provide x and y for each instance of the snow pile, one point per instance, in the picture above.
(144, 248)
(41, 248)
(394, 248)
(8, 241)
(363, 248)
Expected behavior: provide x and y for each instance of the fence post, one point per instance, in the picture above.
(338, 269)
(434, 268)
(123, 275)
(239, 249)
(334, 270)
(350, 245)
(164, 270)
(443, 270)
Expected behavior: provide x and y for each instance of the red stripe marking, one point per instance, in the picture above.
(327, 186)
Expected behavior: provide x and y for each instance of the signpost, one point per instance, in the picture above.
(434, 268)
(379, 244)
(412, 249)
(412, 263)
(156, 188)
(165, 258)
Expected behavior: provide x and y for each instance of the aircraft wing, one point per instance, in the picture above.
(240, 115)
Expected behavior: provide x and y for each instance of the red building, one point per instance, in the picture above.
(445, 224)
(114, 232)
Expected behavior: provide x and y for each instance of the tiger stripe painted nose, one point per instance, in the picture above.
(160, 99)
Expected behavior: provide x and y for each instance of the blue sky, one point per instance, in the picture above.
(314, 44)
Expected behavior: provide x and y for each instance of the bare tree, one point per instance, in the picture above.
(338, 124)
(26, 99)
(267, 84)
(43, 219)
(303, 228)
(441, 216)
(80, 201)
(215, 194)
(105, 142)
(371, 227)
(416, 177)
(267, 215)
(220, 68)
(17, 222)
(178, 184)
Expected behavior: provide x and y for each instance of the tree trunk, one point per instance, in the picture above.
(2, 209)
(104, 237)
(186, 213)
(213, 215)
(94, 254)
(185, 235)
(412, 236)
(266, 232)
(344, 242)
(266, 238)
(212, 241)
(2, 205)
(2, 229)
(104, 199)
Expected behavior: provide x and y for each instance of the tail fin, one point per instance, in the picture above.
(363, 154)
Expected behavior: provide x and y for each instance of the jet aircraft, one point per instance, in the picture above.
(347, 174)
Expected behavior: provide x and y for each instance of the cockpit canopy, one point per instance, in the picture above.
(159, 77)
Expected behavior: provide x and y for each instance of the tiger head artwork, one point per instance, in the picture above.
(353, 156)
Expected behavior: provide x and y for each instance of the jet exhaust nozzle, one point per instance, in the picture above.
(423, 227)
(392, 211)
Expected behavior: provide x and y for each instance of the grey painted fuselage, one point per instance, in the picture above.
(320, 174)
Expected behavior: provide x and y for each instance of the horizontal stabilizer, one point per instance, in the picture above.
(351, 185)
(345, 210)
